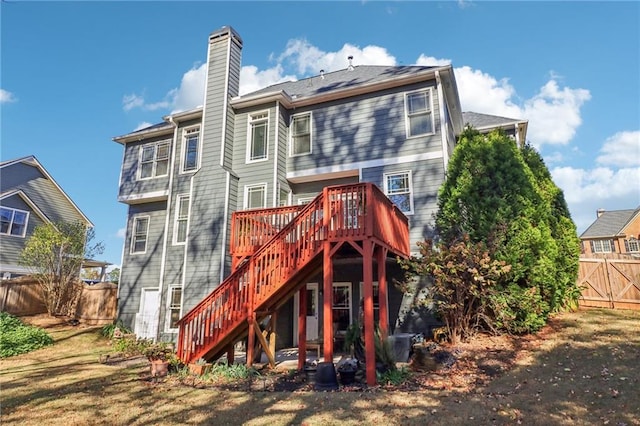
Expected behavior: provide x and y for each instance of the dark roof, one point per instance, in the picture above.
(359, 75)
(480, 121)
(152, 127)
(610, 223)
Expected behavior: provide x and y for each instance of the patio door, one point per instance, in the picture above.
(312, 311)
(147, 318)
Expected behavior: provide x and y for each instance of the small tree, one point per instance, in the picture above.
(464, 279)
(114, 275)
(54, 253)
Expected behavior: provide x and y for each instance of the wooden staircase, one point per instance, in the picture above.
(274, 251)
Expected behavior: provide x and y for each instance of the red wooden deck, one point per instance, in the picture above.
(275, 250)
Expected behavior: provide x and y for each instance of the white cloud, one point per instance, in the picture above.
(553, 158)
(430, 61)
(190, 94)
(121, 233)
(621, 150)
(132, 101)
(553, 112)
(602, 187)
(6, 97)
(252, 79)
(143, 125)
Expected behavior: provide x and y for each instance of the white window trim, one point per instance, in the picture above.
(247, 188)
(635, 242)
(250, 121)
(174, 240)
(26, 222)
(599, 244)
(350, 307)
(310, 114)
(410, 176)
(155, 160)
(305, 200)
(406, 113)
(167, 323)
(133, 230)
(187, 131)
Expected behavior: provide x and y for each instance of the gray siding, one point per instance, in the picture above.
(129, 182)
(363, 128)
(12, 246)
(141, 270)
(313, 189)
(427, 177)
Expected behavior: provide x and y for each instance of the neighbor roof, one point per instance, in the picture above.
(480, 121)
(610, 223)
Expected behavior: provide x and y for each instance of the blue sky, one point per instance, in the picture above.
(75, 74)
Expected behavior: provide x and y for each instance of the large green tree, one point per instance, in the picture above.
(54, 253)
(504, 197)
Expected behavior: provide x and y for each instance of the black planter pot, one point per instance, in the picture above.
(347, 377)
(326, 378)
(310, 375)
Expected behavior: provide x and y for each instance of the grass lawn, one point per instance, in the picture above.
(583, 369)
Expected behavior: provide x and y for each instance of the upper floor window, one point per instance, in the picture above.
(154, 159)
(182, 219)
(602, 246)
(190, 149)
(258, 130)
(301, 134)
(140, 234)
(255, 196)
(13, 222)
(419, 120)
(632, 245)
(399, 188)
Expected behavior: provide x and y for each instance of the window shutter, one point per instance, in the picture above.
(613, 246)
(626, 246)
(593, 248)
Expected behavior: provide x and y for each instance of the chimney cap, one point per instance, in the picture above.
(599, 212)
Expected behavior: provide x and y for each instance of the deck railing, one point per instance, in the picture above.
(340, 212)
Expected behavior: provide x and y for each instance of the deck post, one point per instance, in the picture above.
(327, 299)
(302, 326)
(231, 354)
(251, 340)
(381, 257)
(369, 336)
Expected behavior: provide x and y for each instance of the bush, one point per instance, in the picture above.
(109, 329)
(18, 338)
(223, 370)
(519, 310)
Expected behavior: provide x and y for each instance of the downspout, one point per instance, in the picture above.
(276, 155)
(444, 126)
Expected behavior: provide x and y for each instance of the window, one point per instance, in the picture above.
(255, 196)
(301, 134)
(13, 222)
(139, 235)
(182, 219)
(632, 245)
(376, 301)
(341, 307)
(175, 302)
(419, 116)
(190, 148)
(602, 246)
(154, 160)
(258, 129)
(398, 187)
(305, 200)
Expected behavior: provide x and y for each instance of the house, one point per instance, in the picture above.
(614, 231)
(29, 197)
(291, 202)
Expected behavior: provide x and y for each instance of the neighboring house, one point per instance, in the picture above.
(199, 184)
(484, 123)
(28, 197)
(615, 231)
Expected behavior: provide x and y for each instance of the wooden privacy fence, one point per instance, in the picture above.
(97, 304)
(610, 283)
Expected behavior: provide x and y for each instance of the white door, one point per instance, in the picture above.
(147, 318)
(312, 311)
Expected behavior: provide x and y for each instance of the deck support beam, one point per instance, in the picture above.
(327, 302)
(368, 329)
(302, 326)
(381, 259)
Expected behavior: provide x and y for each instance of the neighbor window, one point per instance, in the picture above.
(632, 245)
(419, 115)
(190, 147)
(255, 196)
(602, 246)
(139, 234)
(13, 222)
(175, 301)
(301, 134)
(182, 219)
(154, 160)
(258, 129)
(398, 187)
